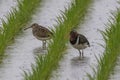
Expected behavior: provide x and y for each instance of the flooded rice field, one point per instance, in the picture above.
(22, 53)
(71, 68)
(5, 7)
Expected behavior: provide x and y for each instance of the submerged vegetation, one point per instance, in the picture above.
(70, 19)
(107, 62)
(16, 20)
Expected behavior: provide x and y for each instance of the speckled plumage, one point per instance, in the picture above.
(41, 33)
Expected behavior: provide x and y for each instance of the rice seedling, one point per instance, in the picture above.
(108, 60)
(70, 19)
(17, 18)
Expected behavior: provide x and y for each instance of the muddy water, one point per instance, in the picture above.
(71, 68)
(5, 7)
(22, 53)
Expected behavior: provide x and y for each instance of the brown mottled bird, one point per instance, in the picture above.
(41, 33)
(78, 41)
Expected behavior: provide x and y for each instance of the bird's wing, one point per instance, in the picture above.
(44, 32)
(83, 39)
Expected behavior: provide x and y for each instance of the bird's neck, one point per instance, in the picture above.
(73, 40)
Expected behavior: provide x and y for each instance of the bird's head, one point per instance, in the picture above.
(73, 34)
(32, 26)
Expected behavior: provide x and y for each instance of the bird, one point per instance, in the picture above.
(79, 42)
(41, 33)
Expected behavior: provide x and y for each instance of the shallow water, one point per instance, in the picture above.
(5, 7)
(22, 53)
(71, 68)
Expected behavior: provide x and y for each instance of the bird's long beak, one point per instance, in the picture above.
(27, 28)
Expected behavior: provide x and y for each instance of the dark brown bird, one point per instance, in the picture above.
(79, 42)
(41, 33)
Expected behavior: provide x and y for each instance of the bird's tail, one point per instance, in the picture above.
(88, 44)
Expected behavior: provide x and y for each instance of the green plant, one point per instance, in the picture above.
(107, 61)
(17, 18)
(69, 20)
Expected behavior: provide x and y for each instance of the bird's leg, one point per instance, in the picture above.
(80, 53)
(44, 44)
